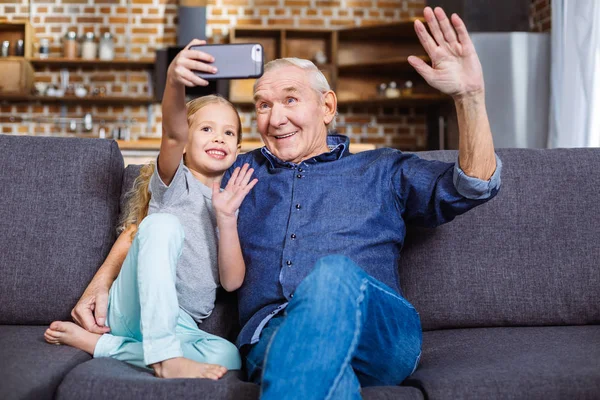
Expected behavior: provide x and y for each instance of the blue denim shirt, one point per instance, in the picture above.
(355, 205)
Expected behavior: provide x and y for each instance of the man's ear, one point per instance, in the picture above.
(330, 105)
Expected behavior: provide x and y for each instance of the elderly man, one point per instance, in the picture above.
(321, 309)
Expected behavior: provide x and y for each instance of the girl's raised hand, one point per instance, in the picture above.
(228, 201)
(181, 70)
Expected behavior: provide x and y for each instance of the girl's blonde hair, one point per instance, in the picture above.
(138, 197)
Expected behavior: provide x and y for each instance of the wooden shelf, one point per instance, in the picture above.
(118, 100)
(76, 62)
(415, 100)
(393, 64)
(388, 31)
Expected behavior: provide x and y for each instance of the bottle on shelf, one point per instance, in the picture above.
(407, 90)
(107, 47)
(89, 47)
(70, 45)
(5, 52)
(44, 49)
(392, 91)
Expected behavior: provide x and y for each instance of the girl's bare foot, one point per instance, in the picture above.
(62, 332)
(180, 367)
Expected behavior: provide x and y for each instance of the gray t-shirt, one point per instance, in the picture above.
(197, 271)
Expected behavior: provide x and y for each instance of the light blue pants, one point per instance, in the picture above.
(147, 326)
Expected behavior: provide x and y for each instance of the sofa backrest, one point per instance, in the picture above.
(530, 256)
(58, 207)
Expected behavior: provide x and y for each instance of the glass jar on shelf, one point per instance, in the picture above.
(70, 45)
(44, 48)
(89, 47)
(107, 47)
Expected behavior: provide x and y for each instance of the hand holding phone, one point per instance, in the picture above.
(184, 66)
(233, 61)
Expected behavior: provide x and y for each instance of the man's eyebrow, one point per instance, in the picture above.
(289, 89)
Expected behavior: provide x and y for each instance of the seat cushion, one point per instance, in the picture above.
(30, 367)
(58, 210)
(510, 363)
(392, 393)
(106, 378)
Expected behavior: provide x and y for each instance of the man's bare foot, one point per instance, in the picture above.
(180, 367)
(62, 332)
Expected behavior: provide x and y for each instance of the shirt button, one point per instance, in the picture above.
(298, 176)
(300, 170)
(288, 262)
(293, 236)
(291, 295)
(298, 206)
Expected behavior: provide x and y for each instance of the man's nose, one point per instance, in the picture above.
(278, 116)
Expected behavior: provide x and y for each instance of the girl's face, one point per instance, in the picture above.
(213, 139)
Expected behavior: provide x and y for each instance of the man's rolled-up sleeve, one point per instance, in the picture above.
(474, 188)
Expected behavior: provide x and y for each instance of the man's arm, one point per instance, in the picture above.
(91, 309)
(456, 71)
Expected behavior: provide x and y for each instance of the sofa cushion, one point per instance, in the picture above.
(106, 378)
(58, 209)
(527, 257)
(392, 393)
(510, 363)
(31, 368)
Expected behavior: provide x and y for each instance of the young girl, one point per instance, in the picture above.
(168, 281)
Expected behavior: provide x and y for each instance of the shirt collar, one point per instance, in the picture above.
(338, 148)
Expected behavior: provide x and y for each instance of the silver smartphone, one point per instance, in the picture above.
(233, 61)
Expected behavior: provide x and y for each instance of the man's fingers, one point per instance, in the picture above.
(101, 309)
(84, 318)
(421, 67)
(425, 38)
(447, 29)
(461, 30)
(433, 25)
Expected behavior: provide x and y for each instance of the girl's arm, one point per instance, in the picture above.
(91, 309)
(174, 113)
(232, 268)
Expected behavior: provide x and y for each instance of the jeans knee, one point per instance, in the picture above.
(336, 268)
(163, 224)
(332, 278)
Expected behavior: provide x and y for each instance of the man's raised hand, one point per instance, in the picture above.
(455, 68)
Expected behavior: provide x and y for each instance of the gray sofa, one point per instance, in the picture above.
(509, 293)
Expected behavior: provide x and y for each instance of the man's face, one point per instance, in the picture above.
(291, 116)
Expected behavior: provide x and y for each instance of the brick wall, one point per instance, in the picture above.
(141, 26)
(540, 17)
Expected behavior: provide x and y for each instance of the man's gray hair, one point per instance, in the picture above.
(318, 82)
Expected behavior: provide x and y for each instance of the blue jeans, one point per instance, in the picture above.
(343, 329)
(146, 324)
